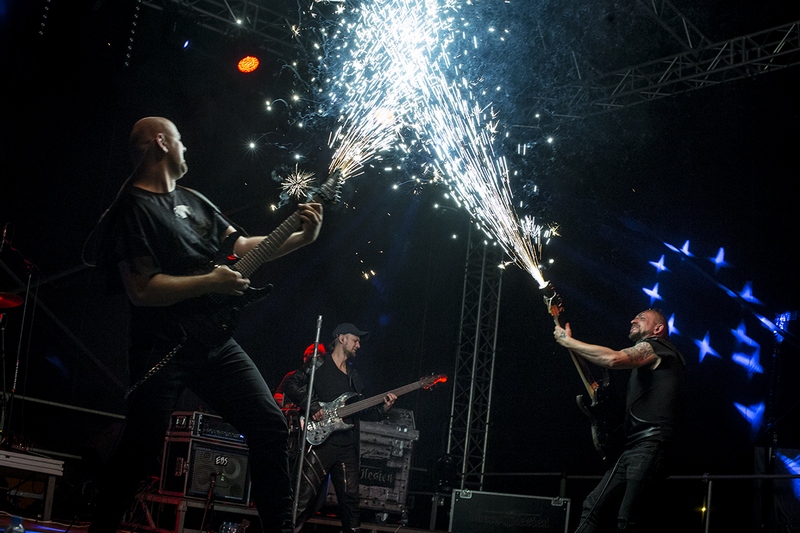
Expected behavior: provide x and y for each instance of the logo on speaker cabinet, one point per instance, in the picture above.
(221, 460)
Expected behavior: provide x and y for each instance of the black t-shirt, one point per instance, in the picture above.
(329, 384)
(654, 399)
(179, 231)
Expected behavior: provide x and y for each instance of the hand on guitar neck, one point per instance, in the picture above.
(601, 405)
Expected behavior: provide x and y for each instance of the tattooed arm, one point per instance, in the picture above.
(640, 354)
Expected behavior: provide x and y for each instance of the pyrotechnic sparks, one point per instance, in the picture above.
(398, 74)
(298, 183)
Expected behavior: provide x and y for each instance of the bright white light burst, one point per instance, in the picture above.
(298, 183)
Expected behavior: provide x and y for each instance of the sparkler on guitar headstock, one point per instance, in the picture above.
(553, 302)
(300, 185)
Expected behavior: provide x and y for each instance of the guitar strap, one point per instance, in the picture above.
(216, 209)
(155, 368)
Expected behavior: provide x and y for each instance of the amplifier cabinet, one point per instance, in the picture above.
(191, 465)
(200, 424)
(492, 512)
(385, 463)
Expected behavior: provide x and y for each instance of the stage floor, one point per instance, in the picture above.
(317, 524)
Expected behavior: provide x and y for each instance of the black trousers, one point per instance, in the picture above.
(623, 500)
(341, 463)
(230, 383)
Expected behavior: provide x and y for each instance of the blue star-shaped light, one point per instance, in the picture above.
(659, 265)
(754, 414)
(793, 467)
(652, 293)
(705, 348)
(750, 362)
(683, 250)
(719, 260)
(747, 294)
(741, 335)
(672, 329)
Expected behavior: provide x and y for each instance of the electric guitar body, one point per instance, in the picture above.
(211, 319)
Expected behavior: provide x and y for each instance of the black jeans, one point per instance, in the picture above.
(341, 462)
(621, 500)
(229, 382)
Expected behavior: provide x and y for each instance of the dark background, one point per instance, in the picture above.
(716, 166)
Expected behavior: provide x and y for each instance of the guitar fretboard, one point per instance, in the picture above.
(366, 403)
(265, 250)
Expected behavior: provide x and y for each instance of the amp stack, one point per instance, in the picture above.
(202, 450)
(204, 483)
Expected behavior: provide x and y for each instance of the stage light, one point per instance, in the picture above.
(248, 64)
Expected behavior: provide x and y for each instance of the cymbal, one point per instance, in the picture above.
(8, 300)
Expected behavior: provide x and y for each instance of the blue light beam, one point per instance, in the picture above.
(793, 467)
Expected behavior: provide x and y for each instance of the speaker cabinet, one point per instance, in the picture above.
(493, 512)
(191, 466)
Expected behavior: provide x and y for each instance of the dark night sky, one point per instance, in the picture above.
(716, 166)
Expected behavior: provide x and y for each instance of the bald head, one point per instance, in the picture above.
(648, 323)
(157, 151)
(144, 132)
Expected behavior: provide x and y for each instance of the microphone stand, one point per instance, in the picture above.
(9, 399)
(3, 362)
(302, 445)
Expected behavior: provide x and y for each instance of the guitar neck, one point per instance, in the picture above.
(584, 371)
(265, 250)
(366, 403)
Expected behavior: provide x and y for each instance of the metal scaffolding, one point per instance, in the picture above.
(470, 409)
(272, 29)
(695, 68)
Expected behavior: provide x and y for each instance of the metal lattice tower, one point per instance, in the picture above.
(255, 18)
(701, 64)
(474, 366)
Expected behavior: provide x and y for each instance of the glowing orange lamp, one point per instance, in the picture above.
(248, 64)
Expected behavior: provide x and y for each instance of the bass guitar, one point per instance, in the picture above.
(334, 411)
(212, 318)
(604, 408)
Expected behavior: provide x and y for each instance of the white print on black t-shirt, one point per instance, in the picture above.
(182, 211)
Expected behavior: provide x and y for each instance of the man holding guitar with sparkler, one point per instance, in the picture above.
(160, 243)
(338, 455)
(652, 414)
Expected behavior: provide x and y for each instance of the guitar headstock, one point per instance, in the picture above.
(429, 381)
(553, 302)
(331, 190)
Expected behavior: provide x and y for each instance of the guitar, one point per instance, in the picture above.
(212, 318)
(333, 412)
(603, 407)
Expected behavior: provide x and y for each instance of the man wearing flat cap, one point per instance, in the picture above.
(338, 454)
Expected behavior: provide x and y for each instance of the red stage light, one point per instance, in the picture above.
(248, 64)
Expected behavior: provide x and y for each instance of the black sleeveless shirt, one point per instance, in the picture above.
(654, 399)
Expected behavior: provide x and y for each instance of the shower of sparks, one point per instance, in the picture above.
(383, 72)
(401, 87)
(298, 183)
